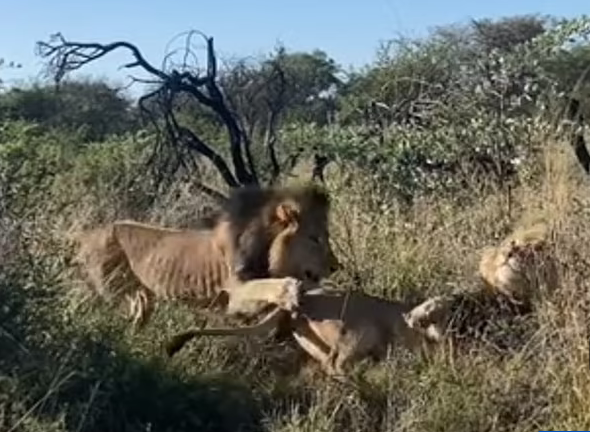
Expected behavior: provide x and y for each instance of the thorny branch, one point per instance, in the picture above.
(157, 106)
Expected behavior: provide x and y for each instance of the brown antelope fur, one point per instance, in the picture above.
(337, 331)
(261, 233)
(336, 328)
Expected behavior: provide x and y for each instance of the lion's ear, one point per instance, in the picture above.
(287, 212)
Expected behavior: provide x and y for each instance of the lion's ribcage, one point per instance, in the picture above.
(182, 269)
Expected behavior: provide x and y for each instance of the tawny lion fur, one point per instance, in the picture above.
(513, 273)
(335, 328)
(521, 265)
(262, 233)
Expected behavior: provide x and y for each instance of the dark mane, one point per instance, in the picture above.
(250, 213)
(486, 316)
(250, 202)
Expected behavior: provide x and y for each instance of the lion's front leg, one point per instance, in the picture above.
(251, 297)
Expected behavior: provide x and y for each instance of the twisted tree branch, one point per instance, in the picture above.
(158, 106)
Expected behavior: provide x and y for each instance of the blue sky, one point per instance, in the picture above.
(347, 30)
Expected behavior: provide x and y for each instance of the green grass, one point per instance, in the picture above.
(67, 368)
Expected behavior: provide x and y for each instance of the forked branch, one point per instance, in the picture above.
(158, 106)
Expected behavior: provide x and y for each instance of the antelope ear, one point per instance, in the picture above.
(287, 212)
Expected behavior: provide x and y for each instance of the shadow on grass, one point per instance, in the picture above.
(51, 374)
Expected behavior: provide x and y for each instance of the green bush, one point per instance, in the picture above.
(71, 364)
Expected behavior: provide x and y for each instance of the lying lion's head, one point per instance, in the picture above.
(519, 266)
(280, 231)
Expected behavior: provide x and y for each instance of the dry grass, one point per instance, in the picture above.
(83, 370)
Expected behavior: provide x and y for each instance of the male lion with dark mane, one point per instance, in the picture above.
(260, 233)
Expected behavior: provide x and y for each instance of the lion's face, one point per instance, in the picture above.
(302, 249)
(518, 269)
(279, 231)
(510, 274)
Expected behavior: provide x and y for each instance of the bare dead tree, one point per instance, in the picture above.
(174, 141)
(261, 101)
